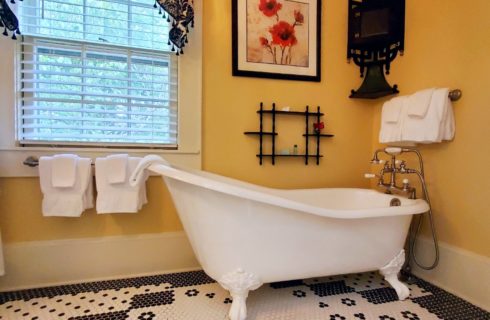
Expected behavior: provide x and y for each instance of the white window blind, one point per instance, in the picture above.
(132, 23)
(92, 78)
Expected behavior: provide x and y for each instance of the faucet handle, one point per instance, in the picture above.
(402, 163)
(406, 184)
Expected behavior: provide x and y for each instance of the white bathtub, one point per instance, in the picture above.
(245, 235)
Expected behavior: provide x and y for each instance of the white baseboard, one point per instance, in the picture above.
(47, 263)
(460, 272)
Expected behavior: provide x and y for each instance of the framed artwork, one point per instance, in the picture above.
(279, 39)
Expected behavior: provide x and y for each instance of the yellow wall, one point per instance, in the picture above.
(448, 45)
(229, 105)
(21, 219)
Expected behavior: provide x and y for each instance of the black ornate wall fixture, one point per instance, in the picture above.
(376, 35)
(181, 13)
(8, 20)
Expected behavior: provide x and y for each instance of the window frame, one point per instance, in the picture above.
(188, 152)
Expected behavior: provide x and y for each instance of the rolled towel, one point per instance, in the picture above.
(139, 174)
(419, 102)
(63, 171)
(66, 201)
(117, 167)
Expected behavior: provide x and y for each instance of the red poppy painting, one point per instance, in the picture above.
(282, 23)
(277, 39)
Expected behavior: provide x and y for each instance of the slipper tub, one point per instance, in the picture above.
(245, 235)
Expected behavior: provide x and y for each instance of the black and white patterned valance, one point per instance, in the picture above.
(181, 14)
(8, 20)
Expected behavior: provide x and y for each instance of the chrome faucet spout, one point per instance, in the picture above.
(375, 159)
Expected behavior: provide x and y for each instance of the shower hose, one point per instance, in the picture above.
(415, 228)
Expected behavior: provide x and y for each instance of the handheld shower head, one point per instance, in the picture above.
(394, 151)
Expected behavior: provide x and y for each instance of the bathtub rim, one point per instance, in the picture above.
(273, 196)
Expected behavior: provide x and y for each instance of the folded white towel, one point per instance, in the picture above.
(392, 109)
(419, 102)
(63, 173)
(117, 167)
(444, 106)
(436, 125)
(450, 127)
(119, 197)
(66, 202)
(391, 119)
(140, 174)
(2, 265)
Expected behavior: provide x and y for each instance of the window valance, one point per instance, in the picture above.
(181, 14)
(8, 20)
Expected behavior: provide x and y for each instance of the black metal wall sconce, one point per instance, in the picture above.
(376, 35)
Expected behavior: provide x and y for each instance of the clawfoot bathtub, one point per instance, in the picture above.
(245, 235)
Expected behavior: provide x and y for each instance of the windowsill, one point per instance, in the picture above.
(97, 150)
(11, 159)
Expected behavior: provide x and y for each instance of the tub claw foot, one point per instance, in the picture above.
(390, 273)
(239, 283)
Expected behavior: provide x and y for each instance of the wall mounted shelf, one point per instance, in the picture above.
(309, 117)
(262, 133)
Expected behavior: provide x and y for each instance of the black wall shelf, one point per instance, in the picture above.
(262, 133)
(309, 132)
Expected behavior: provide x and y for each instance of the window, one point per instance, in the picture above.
(96, 72)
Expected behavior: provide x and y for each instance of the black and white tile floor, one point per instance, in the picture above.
(194, 296)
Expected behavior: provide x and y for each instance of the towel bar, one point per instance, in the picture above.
(33, 162)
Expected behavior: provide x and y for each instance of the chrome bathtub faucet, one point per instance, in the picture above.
(393, 168)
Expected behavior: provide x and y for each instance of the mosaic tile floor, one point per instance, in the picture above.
(194, 296)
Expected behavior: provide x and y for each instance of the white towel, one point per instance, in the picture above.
(63, 173)
(392, 109)
(117, 167)
(66, 202)
(391, 119)
(419, 102)
(140, 173)
(2, 265)
(446, 114)
(435, 126)
(120, 197)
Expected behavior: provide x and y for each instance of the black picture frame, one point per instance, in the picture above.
(241, 64)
